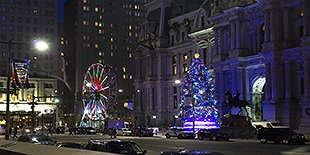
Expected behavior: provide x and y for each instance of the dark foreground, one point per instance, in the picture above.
(154, 145)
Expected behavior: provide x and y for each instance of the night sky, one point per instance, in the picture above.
(60, 10)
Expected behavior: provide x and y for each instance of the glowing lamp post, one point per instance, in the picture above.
(40, 45)
(154, 117)
(177, 81)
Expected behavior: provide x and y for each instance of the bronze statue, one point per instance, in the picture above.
(236, 102)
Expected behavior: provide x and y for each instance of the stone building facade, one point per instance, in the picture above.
(258, 47)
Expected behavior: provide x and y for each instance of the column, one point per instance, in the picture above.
(272, 27)
(279, 25)
(257, 42)
(245, 42)
(143, 99)
(289, 106)
(246, 84)
(239, 82)
(162, 19)
(307, 77)
(288, 80)
(238, 34)
(273, 81)
(137, 67)
(179, 64)
(232, 35)
(234, 80)
(277, 80)
(217, 84)
(219, 77)
(269, 108)
(221, 41)
(268, 81)
(220, 90)
(267, 23)
(286, 23)
(216, 35)
(148, 64)
(306, 20)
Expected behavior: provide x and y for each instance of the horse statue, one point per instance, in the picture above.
(236, 102)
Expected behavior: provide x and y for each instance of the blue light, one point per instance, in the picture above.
(200, 123)
(197, 98)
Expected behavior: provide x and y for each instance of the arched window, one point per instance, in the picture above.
(302, 13)
(262, 34)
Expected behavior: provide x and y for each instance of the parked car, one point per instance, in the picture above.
(59, 129)
(27, 130)
(266, 124)
(89, 130)
(189, 152)
(36, 139)
(123, 132)
(143, 132)
(70, 145)
(280, 135)
(84, 130)
(39, 129)
(78, 130)
(180, 133)
(212, 134)
(116, 146)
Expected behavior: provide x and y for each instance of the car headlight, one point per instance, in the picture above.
(294, 136)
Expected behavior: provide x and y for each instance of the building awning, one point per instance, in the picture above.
(19, 112)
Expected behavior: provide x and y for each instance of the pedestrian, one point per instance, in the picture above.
(49, 131)
(140, 132)
(15, 132)
(111, 133)
(10, 131)
(23, 129)
(70, 130)
(114, 132)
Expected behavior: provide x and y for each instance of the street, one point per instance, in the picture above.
(154, 145)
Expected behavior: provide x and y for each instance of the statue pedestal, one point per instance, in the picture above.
(238, 126)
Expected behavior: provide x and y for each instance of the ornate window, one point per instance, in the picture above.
(262, 34)
(175, 97)
(174, 65)
(185, 66)
(301, 27)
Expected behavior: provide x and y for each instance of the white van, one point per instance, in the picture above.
(266, 124)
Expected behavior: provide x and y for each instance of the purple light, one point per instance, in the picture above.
(200, 123)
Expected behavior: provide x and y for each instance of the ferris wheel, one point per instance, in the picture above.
(98, 93)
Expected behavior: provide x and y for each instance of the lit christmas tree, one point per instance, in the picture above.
(198, 106)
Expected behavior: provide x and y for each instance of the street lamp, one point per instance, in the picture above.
(154, 117)
(41, 45)
(10, 43)
(177, 81)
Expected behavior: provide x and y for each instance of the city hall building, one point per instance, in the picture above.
(259, 47)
